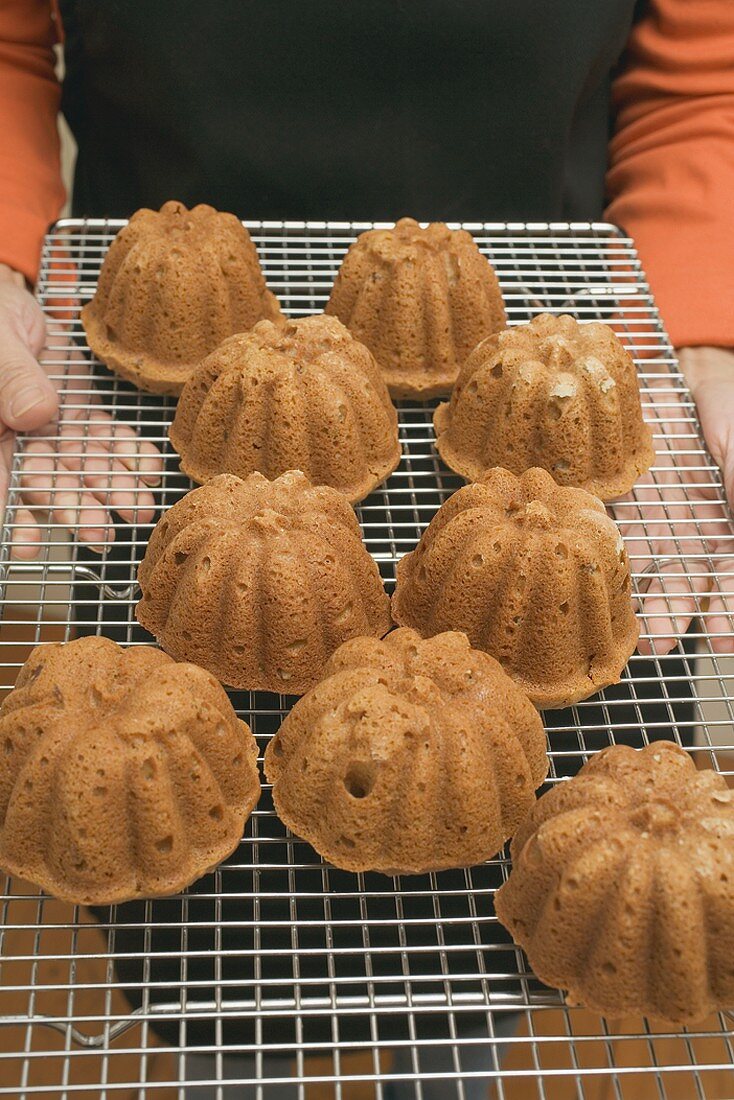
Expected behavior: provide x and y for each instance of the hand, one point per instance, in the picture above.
(681, 538)
(73, 474)
(710, 376)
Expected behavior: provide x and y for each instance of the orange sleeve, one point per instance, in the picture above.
(31, 191)
(671, 176)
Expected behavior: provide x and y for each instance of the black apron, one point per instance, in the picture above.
(449, 109)
(473, 110)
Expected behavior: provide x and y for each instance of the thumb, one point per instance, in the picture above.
(27, 397)
(710, 375)
(727, 468)
(715, 403)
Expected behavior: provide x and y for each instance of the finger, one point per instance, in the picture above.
(107, 482)
(92, 523)
(715, 401)
(116, 488)
(73, 450)
(26, 534)
(142, 457)
(137, 454)
(78, 451)
(96, 527)
(720, 626)
(652, 532)
(719, 616)
(79, 510)
(98, 433)
(27, 397)
(34, 324)
(143, 511)
(670, 603)
(727, 471)
(7, 448)
(68, 503)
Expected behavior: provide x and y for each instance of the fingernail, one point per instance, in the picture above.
(25, 400)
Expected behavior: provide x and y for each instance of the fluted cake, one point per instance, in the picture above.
(622, 886)
(420, 299)
(535, 574)
(305, 395)
(123, 774)
(260, 581)
(410, 755)
(553, 393)
(173, 285)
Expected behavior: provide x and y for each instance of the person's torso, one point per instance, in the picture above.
(451, 109)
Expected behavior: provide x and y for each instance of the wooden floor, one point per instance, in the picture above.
(92, 1068)
(123, 1068)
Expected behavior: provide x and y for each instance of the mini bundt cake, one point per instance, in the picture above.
(535, 574)
(409, 756)
(555, 394)
(174, 284)
(421, 300)
(304, 396)
(260, 581)
(123, 774)
(622, 886)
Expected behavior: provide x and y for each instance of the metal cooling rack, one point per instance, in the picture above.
(276, 968)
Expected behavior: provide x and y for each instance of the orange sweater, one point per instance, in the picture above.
(671, 175)
(670, 181)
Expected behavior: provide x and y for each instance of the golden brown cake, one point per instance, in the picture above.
(421, 300)
(304, 396)
(260, 581)
(555, 394)
(123, 775)
(409, 756)
(174, 284)
(535, 574)
(622, 886)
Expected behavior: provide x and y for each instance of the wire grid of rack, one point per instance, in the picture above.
(277, 969)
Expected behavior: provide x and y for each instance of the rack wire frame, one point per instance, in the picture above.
(299, 959)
